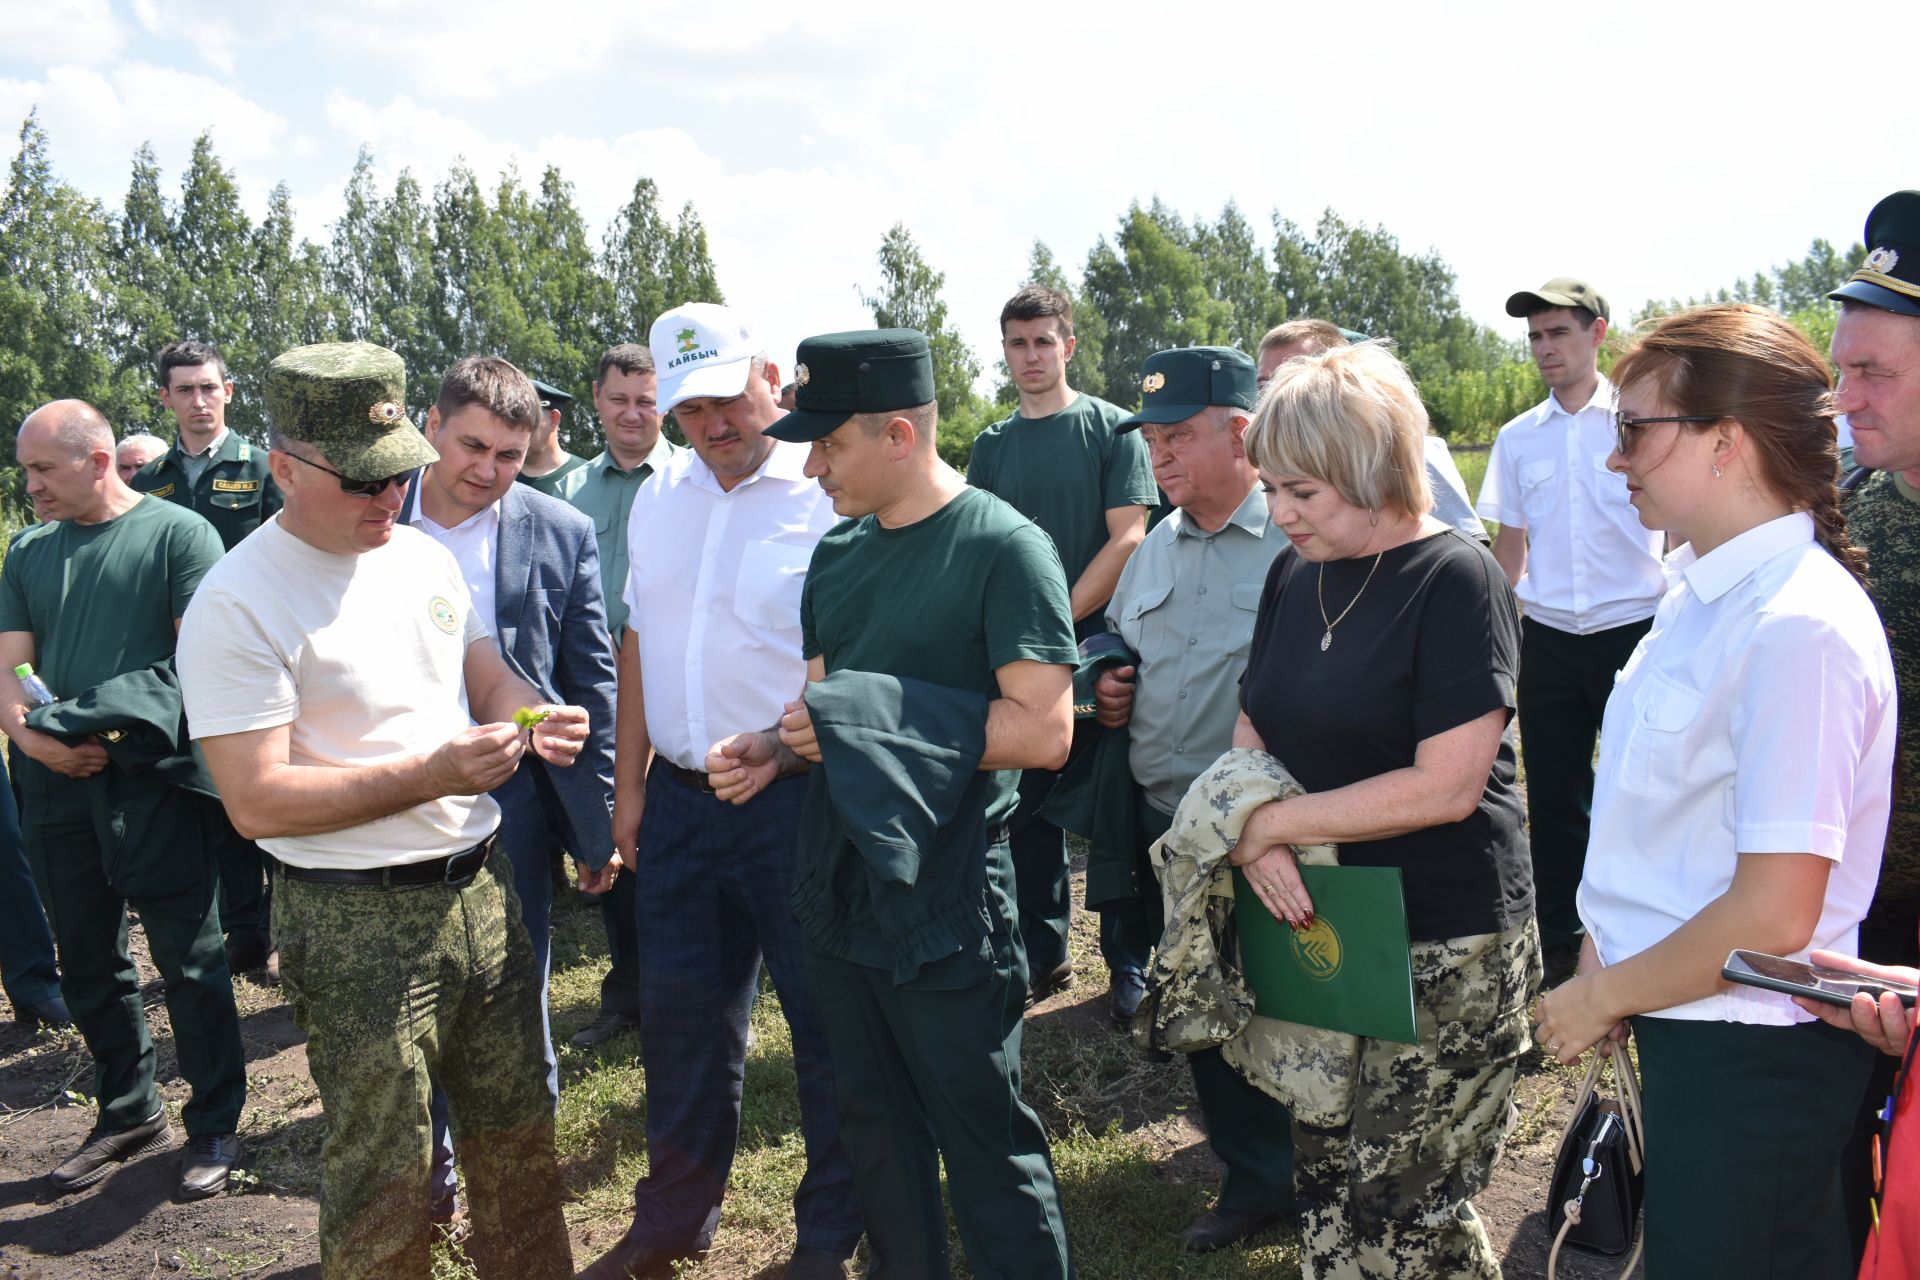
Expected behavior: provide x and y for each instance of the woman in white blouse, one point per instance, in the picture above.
(1741, 801)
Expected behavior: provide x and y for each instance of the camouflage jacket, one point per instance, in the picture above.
(1197, 996)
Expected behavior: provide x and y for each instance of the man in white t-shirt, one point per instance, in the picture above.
(719, 547)
(329, 664)
(1588, 576)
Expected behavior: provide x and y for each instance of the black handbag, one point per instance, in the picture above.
(1593, 1202)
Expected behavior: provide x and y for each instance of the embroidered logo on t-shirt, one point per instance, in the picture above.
(440, 609)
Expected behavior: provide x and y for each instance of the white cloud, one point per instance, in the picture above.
(56, 31)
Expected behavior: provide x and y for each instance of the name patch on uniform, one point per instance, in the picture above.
(234, 486)
(166, 492)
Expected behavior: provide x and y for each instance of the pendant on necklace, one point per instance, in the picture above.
(1326, 640)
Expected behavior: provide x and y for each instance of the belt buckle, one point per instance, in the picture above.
(463, 867)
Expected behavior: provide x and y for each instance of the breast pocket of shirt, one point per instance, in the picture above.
(1653, 761)
(1246, 607)
(772, 576)
(1612, 488)
(1143, 623)
(1536, 487)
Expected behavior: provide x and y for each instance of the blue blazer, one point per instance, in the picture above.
(551, 622)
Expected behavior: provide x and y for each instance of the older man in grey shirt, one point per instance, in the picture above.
(1186, 603)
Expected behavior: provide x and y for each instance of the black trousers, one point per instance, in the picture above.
(1564, 683)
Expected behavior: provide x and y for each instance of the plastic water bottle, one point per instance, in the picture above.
(36, 687)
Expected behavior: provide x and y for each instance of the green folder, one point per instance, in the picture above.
(1350, 970)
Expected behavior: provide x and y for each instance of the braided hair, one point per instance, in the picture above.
(1751, 364)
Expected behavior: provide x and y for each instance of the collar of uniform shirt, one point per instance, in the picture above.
(787, 462)
(1250, 515)
(1602, 399)
(212, 448)
(1722, 569)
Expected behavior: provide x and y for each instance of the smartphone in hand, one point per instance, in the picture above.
(1815, 982)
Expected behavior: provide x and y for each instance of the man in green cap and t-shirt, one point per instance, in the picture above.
(334, 669)
(547, 464)
(1060, 462)
(939, 653)
(89, 596)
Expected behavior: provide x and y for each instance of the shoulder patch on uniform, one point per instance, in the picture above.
(234, 486)
(165, 491)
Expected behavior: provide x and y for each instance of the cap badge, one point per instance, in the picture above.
(802, 375)
(1883, 260)
(1153, 382)
(688, 339)
(1216, 366)
(386, 413)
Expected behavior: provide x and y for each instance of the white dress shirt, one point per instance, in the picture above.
(713, 597)
(475, 544)
(1757, 716)
(1591, 564)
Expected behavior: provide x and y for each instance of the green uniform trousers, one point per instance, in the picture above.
(398, 987)
(929, 1071)
(1251, 1132)
(1745, 1126)
(101, 986)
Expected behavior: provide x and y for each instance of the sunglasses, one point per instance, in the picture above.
(1624, 427)
(358, 488)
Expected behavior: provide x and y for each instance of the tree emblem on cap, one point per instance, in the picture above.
(1153, 382)
(688, 339)
(802, 375)
(385, 414)
(1883, 260)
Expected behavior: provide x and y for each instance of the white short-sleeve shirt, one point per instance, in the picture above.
(475, 546)
(1591, 564)
(362, 656)
(1757, 716)
(713, 597)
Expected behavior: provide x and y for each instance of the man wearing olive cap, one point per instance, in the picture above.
(939, 646)
(1186, 603)
(334, 668)
(1588, 575)
(547, 464)
(1876, 347)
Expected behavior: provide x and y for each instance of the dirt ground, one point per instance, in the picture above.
(131, 1226)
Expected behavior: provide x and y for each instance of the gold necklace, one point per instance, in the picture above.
(1320, 590)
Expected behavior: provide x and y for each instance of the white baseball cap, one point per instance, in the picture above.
(702, 349)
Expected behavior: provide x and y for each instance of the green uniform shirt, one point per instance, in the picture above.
(605, 493)
(1186, 603)
(101, 599)
(550, 483)
(948, 599)
(233, 490)
(1883, 516)
(1064, 472)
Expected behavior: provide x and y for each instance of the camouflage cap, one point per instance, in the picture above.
(349, 400)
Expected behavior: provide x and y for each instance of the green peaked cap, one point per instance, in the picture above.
(349, 401)
(837, 375)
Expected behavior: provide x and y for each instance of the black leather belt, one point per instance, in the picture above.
(455, 869)
(692, 777)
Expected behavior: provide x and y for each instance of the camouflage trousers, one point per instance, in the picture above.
(396, 984)
(1386, 1195)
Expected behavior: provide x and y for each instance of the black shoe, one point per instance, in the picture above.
(209, 1159)
(245, 957)
(602, 1029)
(102, 1150)
(1218, 1228)
(816, 1264)
(1124, 994)
(1058, 978)
(51, 1012)
(1559, 961)
(631, 1260)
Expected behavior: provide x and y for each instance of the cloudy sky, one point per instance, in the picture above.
(1658, 149)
